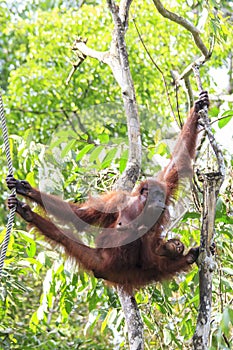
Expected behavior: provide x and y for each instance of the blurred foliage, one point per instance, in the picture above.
(72, 140)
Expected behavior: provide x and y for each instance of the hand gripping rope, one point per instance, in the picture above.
(10, 171)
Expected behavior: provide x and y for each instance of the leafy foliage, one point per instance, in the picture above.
(72, 140)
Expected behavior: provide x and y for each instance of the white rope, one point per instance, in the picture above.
(10, 171)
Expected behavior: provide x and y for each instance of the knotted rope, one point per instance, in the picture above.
(10, 171)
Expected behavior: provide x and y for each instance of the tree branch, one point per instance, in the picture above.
(129, 177)
(206, 262)
(211, 186)
(124, 12)
(189, 90)
(206, 124)
(117, 59)
(184, 23)
(206, 54)
(133, 320)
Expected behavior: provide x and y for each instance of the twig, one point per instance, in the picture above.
(81, 3)
(75, 65)
(188, 70)
(82, 128)
(189, 91)
(184, 23)
(198, 62)
(206, 54)
(70, 121)
(74, 68)
(178, 106)
(79, 45)
(157, 67)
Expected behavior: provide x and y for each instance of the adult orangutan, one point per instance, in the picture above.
(129, 248)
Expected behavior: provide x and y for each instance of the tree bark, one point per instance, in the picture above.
(206, 261)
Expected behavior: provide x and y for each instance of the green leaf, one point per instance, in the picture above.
(31, 250)
(123, 160)
(69, 146)
(228, 113)
(68, 306)
(104, 138)
(83, 151)
(109, 319)
(95, 153)
(109, 158)
(148, 322)
(223, 122)
(191, 215)
(34, 322)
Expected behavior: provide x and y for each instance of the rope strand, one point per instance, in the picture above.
(10, 171)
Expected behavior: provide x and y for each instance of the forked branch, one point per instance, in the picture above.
(184, 23)
(206, 53)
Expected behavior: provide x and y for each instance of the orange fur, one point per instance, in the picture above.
(129, 249)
